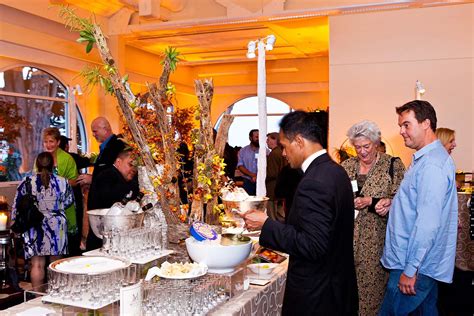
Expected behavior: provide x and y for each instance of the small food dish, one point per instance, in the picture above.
(262, 268)
(270, 256)
(180, 271)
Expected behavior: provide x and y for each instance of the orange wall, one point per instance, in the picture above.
(376, 58)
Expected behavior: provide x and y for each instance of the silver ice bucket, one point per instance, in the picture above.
(100, 221)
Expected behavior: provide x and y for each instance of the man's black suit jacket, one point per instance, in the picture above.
(107, 156)
(318, 237)
(110, 187)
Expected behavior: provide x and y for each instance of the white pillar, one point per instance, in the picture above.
(262, 120)
(72, 120)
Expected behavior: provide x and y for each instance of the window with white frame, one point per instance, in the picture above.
(30, 100)
(245, 114)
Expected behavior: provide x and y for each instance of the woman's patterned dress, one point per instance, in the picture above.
(369, 230)
(51, 239)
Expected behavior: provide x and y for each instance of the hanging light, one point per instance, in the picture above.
(270, 42)
(77, 90)
(251, 49)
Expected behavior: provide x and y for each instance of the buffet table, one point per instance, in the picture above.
(257, 300)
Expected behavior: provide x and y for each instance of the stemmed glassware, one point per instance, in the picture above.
(135, 243)
(191, 297)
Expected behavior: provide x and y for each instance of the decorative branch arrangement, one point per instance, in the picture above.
(208, 164)
(163, 183)
(154, 135)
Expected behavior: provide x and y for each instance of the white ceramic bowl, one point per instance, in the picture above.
(218, 258)
(262, 268)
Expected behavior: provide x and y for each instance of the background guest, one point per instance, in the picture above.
(110, 147)
(447, 137)
(54, 195)
(377, 177)
(275, 163)
(248, 163)
(81, 163)
(64, 166)
(382, 147)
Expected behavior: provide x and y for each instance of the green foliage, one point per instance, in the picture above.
(84, 26)
(94, 76)
(171, 54)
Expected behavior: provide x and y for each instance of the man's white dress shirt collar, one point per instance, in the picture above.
(310, 159)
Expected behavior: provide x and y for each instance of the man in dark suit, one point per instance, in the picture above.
(110, 147)
(318, 235)
(112, 185)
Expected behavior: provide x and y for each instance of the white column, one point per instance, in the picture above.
(72, 120)
(262, 120)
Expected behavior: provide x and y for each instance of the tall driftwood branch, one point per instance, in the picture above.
(125, 97)
(223, 134)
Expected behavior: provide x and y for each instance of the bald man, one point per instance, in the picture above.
(110, 147)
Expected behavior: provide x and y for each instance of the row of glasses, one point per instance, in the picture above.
(134, 243)
(193, 297)
(94, 289)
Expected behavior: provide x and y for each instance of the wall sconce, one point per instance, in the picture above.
(419, 90)
(251, 49)
(76, 90)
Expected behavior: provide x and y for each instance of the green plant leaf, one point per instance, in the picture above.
(89, 47)
(82, 40)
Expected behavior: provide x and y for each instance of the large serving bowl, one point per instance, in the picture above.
(251, 203)
(218, 258)
(100, 221)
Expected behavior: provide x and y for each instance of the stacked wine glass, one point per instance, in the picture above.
(89, 282)
(184, 297)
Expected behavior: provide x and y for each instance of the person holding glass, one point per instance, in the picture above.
(375, 178)
(54, 195)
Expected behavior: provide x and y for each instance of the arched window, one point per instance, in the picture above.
(245, 114)
(30, 100)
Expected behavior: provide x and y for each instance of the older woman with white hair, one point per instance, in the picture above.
(375, 179)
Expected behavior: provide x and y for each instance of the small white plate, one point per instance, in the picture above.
(196, 272)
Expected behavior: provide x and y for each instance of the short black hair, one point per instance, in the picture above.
(124, 153)
(303, 123)
(423, 110)
(252, 131)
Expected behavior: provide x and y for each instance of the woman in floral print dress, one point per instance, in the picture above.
(54, 195)
(375, 177)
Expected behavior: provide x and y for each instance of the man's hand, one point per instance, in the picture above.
(84, 179)
(254, 219)
(406, 285)
(383, 206)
